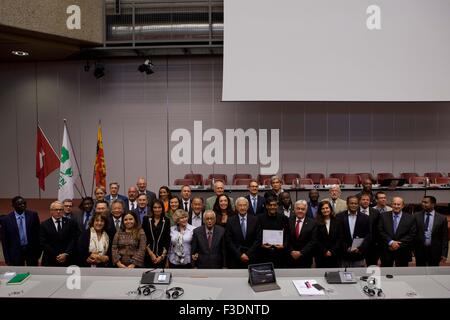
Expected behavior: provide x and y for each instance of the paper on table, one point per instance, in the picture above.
(273, 237)
(357, 242)
(306, 288)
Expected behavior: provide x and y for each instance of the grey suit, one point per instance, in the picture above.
(209, 258)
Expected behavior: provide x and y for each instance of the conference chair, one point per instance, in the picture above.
(315, 177)
(241, 176)
(218, 176)
(288, 178)
(197, 177)
(183, 182)
(329, 181)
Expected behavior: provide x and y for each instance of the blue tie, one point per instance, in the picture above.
(86, 220)
(243, 227)
(22, 232)
(254, 204)
(395, 222)
(427, 221)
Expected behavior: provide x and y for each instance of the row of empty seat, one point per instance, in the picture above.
(313, 178)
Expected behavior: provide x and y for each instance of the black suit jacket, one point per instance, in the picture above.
(305, 243)
(260, 205)
(213, 258)
(54, 243)
(362, 230)
(237, 245)
(329, 241)
(189, 204)
(11, 239)
(158, 239)
(83, 249)
(406, 233)
(374, 221)
(439, 236)
(111, 229)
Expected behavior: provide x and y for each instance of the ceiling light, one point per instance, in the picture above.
(20, 53)
(99, 71)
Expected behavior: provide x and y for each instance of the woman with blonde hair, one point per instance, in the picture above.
(180, 241)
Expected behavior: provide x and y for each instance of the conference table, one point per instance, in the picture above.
(222, 284)
(412, 194)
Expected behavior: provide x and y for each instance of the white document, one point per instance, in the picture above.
(357, 242)
(306, 288)
(273, 237)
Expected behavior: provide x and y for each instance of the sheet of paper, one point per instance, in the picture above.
(357, 242)
(273, 237)
(306, 288)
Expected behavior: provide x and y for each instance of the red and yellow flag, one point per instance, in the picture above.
(100, 166)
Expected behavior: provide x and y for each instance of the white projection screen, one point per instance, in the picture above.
(336, 50)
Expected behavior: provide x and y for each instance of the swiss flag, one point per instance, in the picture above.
(47, 160)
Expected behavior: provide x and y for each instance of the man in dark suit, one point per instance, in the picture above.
(367, 189)
(285, 207)
(114, 194)
(142, 189)
(256, 201)
(196, 218)
(355, 226)
(20, 230)
(431, 243)
(186, 201)
(302, 240)
(208, 244)
(397, 234)
(115, 219)
(58, 237)
(243, 236)
(313, 203)
(143, 209)
(86, 212)
(373, 250)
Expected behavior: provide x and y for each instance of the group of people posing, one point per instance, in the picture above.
(143, 230)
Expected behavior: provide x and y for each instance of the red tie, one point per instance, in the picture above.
(209, 239)
(298, 228)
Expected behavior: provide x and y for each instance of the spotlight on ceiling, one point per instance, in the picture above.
(146, 67)
(99, 71)
(20, 53)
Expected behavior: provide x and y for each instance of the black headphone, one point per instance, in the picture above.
(174, 293)
(371, 288)
(146, 289)
(372, 292)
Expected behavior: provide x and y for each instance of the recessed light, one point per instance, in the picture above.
(20, 53)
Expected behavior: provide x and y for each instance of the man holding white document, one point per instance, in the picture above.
(356, 234)
(274, 228)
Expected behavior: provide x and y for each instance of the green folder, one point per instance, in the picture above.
(19, 278)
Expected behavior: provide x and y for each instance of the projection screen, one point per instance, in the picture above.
(336, 50)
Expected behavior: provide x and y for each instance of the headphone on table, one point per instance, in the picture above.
(174, 293)
(371, 288)
(146, 289)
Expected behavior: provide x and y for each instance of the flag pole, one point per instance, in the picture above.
(96, 151)
(76, 162)
(37, 110)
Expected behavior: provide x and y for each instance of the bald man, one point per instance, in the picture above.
(397, 233)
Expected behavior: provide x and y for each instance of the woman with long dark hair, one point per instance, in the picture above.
(329, 235)
(157, 231)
